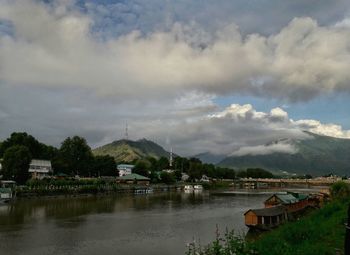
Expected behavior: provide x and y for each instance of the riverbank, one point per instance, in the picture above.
(321, 232)
(89, 190)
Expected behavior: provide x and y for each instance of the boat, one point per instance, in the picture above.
(7, 191)
(198, 187)
(188, 188)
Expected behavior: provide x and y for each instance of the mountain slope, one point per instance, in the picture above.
(127, 151)
(210, 158)
(317, 156)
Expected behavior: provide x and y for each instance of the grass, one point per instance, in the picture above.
(322, 232)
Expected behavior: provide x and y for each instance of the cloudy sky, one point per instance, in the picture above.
(225, 76)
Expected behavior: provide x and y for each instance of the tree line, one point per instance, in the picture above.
(75, 157)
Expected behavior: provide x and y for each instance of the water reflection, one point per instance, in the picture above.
(123, 224)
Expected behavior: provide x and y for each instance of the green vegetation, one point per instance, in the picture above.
(72, 158)
(75, 157)
(16, 163)
(340, 190)
(321, 232)
(129, 151)
(317, 155)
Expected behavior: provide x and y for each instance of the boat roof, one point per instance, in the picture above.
(284, 198)
(270, 211)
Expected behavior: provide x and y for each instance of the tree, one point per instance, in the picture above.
(75, 157)
(163, 163)
(104, 166)
(167, 178)
(141, 167)
(37, 150)
(16, 163)
(21, 139)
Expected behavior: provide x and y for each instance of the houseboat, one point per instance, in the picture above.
(265, 218)
(278, 209)
(7, 191)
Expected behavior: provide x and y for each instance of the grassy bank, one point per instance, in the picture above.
(322, 233)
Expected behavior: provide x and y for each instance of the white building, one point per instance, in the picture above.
(40, 168)
(125, 169)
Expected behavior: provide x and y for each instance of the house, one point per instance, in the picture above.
(40, 169)
(265, 218)
(134, 179)
(125, 169)
(292, 201)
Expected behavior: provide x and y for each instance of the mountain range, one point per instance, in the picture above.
(315, 155)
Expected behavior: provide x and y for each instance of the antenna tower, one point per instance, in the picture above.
(126, 132)
(171, 157)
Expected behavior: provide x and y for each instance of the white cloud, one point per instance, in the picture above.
(54, 47)
(66, 80)
(328, 129)
(265, 149)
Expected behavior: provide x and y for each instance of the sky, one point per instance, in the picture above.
(226, 77)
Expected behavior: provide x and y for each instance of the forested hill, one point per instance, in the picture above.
(128, 151)
(316, 156)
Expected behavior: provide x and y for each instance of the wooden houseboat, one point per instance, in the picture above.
(292, 201)
(265, 218)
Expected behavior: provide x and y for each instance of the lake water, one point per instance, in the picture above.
(155, 224)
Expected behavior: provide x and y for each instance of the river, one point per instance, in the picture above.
(155, 224)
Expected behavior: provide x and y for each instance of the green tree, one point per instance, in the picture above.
(16, 163)
(142, 167)
(163, 163)
(104, 166)
(37, 150)
(74, 157)
(167, 178)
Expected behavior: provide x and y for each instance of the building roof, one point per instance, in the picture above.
(271, 211)
(40, 162)
(131, 177)
(285, 198)
(125, 166)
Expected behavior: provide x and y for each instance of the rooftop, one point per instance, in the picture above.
(285, 198)
(271, 211)
(40, 162)
(136, 177)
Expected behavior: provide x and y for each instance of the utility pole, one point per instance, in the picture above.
(347, 235)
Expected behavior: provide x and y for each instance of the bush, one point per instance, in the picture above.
(230, 243)
(340, 190)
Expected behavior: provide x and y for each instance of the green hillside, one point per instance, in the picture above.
(316, 156)
(128, 151)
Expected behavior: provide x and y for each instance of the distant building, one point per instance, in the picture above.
(125, 169)
(40, 168)
(134, 179)
(184, 177)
